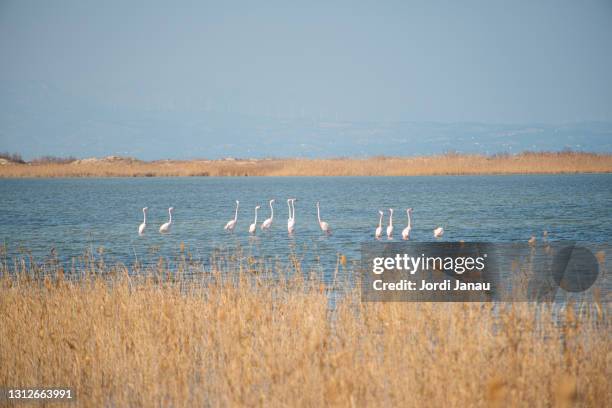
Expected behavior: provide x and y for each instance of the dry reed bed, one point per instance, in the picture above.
(128, 341)
(450, 164)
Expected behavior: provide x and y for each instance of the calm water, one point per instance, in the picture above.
(73, 215)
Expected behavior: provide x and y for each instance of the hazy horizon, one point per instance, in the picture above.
(202, 79)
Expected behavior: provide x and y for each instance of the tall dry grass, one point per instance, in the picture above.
(245, 339)
(450, 164)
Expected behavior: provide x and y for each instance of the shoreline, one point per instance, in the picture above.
(69, 177)
(441, 165)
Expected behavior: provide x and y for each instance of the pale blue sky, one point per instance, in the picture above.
(512, 62)
(492, 61)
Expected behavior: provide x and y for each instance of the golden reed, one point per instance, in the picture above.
(449, 164)
(255, 340)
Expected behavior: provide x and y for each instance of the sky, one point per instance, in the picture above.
(489, 61)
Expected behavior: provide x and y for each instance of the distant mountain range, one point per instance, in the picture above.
(37, 119)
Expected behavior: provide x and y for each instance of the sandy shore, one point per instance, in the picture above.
(450, 164)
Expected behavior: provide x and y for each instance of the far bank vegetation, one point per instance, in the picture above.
(447, 164)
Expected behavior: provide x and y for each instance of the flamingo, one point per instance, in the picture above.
(268, 223)
(291, 220)
(166, 227)
(232, 223)
(378, 232)
(253, 226)
(390, 226)
(406, 231)
(324, 226)
(438, 232)
(141, 228)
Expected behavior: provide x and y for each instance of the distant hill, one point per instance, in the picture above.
(38, 119)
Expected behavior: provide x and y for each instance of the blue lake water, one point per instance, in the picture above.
(74, 215)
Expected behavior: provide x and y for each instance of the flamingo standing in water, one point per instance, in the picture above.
(378, 232)
(406, 231)
(165, 228)
(268, 223)
(141, 227)
(291, 220)
(438, 232)
(253, 226)
(390, 226)
(232, 223)
(324, 226)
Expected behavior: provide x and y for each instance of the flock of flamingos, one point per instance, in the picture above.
(267, 224)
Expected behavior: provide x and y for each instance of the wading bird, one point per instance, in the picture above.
(166, 227)
(253, 226)
(406, 231)
(378, 232)
(324, 226)
(390, 227)
(232, 223)
(291, 220)
(268, 223)
(438, 232)
(141, 228)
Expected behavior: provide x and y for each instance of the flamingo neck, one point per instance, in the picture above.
(170, 212)
(318, 213)
(293, 214)
(271, 211)
(409, 220)
(255, 216)
(144, 218)
(380, 221)
(391, 219)
(289, 206)
(236, 215)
